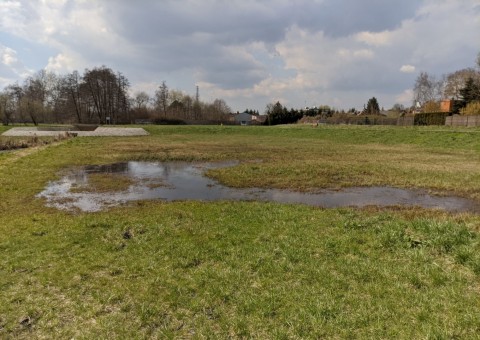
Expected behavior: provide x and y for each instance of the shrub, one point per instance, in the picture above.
(169, 121)
(430, 118)
(471, 109)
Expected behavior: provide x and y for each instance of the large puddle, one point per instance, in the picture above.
(186, 181)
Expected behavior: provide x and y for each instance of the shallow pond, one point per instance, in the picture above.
(186, 181)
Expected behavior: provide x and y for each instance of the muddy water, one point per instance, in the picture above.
(185, 181)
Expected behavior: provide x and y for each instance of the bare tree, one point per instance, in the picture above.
(140, 105)
(426, 88)
(5, 114)
(32, 108)
(108, 94)
(218, 110)
(34, 99)
(121, 99)
(15, 94)
(9, 102)
(75, 99)
(176, 95)
(455, 81)
(188, 103)
(161, 98)
(141, 100)
(94, 97)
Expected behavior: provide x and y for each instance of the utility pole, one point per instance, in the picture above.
(196, 105)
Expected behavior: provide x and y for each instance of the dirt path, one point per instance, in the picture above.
(20, 153)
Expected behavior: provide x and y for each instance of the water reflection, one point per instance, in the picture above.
(185, 181)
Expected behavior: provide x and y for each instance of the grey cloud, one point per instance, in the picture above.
(381, 78)
(240, 76)
(244, 21)
(189, 34)
(344, 17)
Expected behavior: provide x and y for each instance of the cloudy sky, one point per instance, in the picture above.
(248, 52)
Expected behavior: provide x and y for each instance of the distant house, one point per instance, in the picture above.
(246, 118)
(446, 105)
(243, 118)
(259, 119)
(418, 108)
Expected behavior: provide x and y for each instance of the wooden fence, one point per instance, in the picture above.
(367, 120)
(457, 120)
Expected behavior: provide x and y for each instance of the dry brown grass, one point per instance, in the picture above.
(105, 182)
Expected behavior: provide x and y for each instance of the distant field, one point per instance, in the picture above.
(247, 269)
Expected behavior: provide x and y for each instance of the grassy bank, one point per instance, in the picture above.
(8, 143)
(246, 269)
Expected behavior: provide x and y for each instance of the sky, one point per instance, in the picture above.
(248, 52)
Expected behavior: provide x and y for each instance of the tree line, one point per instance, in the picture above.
(278, 114)
(170, 105)
(98, 96)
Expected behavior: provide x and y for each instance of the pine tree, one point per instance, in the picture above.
(372, 107)
(470, 92)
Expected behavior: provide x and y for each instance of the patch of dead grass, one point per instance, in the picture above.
(102, 183)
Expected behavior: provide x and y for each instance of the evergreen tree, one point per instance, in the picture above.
(470, 92)
(372, 107)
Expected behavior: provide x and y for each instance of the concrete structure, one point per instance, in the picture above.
(98, 132)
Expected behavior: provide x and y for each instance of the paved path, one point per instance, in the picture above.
(98, 132)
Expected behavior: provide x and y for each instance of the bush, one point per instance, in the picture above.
(471, 109)
(430, 118)
(169, 121)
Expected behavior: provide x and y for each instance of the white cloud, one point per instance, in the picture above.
(375, 38)
(61, 63)
(9, 56)
(407, 69)
(11, 17)
(364, 54)
(350, 55)
(11, 67)
(405, 98)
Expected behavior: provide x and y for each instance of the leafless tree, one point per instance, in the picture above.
(74, 98)
(107, 92)
(426, 88)
(455, 81)
(34, 99)
(218, 110)
(5, 104)
(9, 103)
(98, 94)
(161, 98)
(141, 100)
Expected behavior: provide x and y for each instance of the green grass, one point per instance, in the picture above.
(246, 269)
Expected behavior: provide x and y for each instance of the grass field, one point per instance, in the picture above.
(247, 269)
